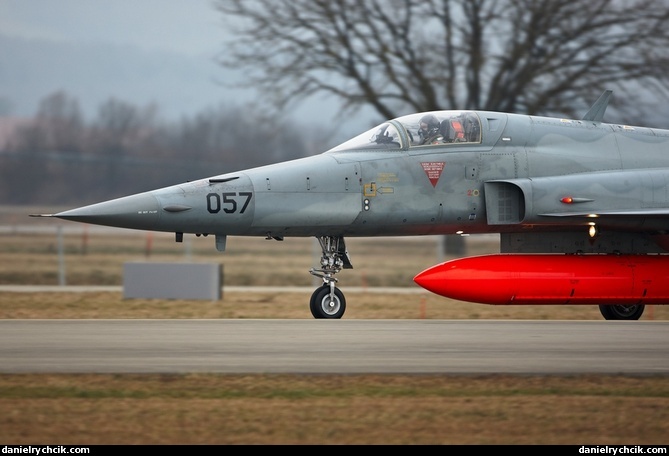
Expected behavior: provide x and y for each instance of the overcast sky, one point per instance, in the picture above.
(186, 26)
(159, 52)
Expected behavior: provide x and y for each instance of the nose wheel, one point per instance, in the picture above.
(328, 301)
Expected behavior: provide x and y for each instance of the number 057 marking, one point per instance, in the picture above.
(228, 202)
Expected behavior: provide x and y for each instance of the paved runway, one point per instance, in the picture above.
(334, 346)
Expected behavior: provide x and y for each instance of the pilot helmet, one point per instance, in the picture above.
(428, 126)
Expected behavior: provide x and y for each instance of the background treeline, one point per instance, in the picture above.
(60, 158)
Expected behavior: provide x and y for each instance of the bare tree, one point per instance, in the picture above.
(58, 126)
(531, 56)
(122, 127)
(237, 138)
(57, 130)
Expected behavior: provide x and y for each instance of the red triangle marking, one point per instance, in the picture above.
(433, 171)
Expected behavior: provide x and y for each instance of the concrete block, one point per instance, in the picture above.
(173, 280)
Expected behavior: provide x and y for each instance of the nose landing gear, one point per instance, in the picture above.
(327, 301)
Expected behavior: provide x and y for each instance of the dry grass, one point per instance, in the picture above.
(93, 257)
(366, 305)
(295, 409)
(97, 259)
(356, 409)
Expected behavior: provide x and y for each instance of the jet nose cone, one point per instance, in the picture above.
(139, 211)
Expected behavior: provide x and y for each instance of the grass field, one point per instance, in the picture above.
(344, 409)
(293, 409)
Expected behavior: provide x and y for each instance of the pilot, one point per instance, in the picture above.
(428, 129)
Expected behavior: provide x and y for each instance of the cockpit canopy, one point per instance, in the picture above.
(418, 130)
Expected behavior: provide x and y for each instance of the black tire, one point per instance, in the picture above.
(320, 303)
(312, 301)
(633, 312)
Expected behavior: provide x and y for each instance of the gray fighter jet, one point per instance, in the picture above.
(582, 206)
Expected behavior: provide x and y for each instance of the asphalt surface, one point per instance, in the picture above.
(335, 346)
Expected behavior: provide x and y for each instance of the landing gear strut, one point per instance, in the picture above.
(327, 301)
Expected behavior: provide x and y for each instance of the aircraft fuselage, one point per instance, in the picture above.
(514, 179)
(547, 185)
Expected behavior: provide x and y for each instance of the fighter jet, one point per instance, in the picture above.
(581, 206)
